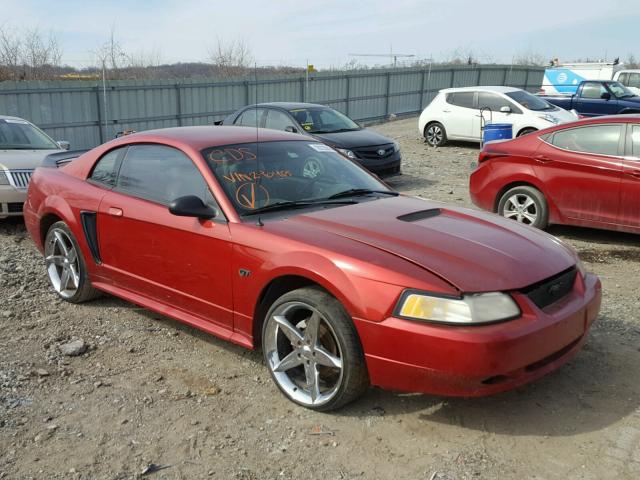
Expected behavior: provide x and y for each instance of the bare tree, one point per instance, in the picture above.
(28, 55)
(530, 58)
(230, 58)
(631, 61)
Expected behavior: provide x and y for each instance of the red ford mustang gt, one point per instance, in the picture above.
(286, 245)
(584, 173)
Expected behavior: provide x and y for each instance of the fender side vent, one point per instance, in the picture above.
(420, 215)
(90, 229)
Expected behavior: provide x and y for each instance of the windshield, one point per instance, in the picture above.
(18, 134)
(530, 102)
(279, 172)
(619, 90)
(323, 120)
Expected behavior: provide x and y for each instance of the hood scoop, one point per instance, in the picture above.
(420, 215)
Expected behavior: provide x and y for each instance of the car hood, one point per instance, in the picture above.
(474, 251)
(562, 115)
(23, 159)
(634, 100)
(354, 139)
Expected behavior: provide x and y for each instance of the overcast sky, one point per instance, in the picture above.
(326, 32)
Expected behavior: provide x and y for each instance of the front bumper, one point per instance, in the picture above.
(463, 361)
(383, 166)
(11, 201)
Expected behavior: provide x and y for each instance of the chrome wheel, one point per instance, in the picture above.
(61, 259)
(303, 353)
(435, 135)
(522, 208)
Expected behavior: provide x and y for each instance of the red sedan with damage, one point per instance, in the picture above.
(584, 173)
(281, 243)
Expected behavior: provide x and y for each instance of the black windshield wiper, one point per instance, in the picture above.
(361, 191)
(296, 204)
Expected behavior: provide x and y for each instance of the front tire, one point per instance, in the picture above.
(65, 265)
(312, 350)
(435, 134)
(526, 205)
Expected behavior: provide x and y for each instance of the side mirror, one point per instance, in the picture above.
(291, 129)
(64, 144)
(606, 96)
(192, 206)
(505, 109)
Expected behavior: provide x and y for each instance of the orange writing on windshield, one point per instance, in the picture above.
(223, 155)
(252, 195)
(251, 176)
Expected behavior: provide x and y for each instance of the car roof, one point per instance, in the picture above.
(200, 137)
(290, 105)
(8, 117)
(488, 88)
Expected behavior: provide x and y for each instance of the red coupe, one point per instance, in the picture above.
(584, 173)
(280, 242)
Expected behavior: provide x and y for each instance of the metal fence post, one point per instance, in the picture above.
(302, 99)
(101, 133)
(424, 74)
(526, 80)
(347, 93)
(246, 92)
(178, 105)
(387, 95)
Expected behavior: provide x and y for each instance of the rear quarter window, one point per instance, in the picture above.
(461, 99)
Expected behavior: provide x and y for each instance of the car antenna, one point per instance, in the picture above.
(255, 76)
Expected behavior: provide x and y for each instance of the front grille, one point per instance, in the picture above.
(552, 289)
(15, 207)
(373, 153)
(20, 178)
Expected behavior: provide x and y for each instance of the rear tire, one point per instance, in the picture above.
(312, 350)
(526, 131)
(66, 267)
(435, 134)
(526, 205)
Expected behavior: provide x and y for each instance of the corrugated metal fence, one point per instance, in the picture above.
(87, 113)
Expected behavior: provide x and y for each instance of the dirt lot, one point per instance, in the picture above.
(150, 390)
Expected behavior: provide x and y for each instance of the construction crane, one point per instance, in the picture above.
(390, 56)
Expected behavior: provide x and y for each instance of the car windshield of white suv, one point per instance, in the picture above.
(619, 90)
(531, 102)
(323, 120)
(21, 135)
(274, 176)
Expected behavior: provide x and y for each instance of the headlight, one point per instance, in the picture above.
(472, 309)
(347, 153)
(4, 180)
(551, 119)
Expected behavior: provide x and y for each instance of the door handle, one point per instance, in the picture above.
(115, 211)
(542, 159)
(446, 111)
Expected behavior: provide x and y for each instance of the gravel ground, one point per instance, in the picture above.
(106, 389)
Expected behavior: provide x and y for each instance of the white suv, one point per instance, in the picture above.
(454, 114)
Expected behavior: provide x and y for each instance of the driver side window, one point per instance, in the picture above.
(278, 120)
(593, 90)
(161, 174)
